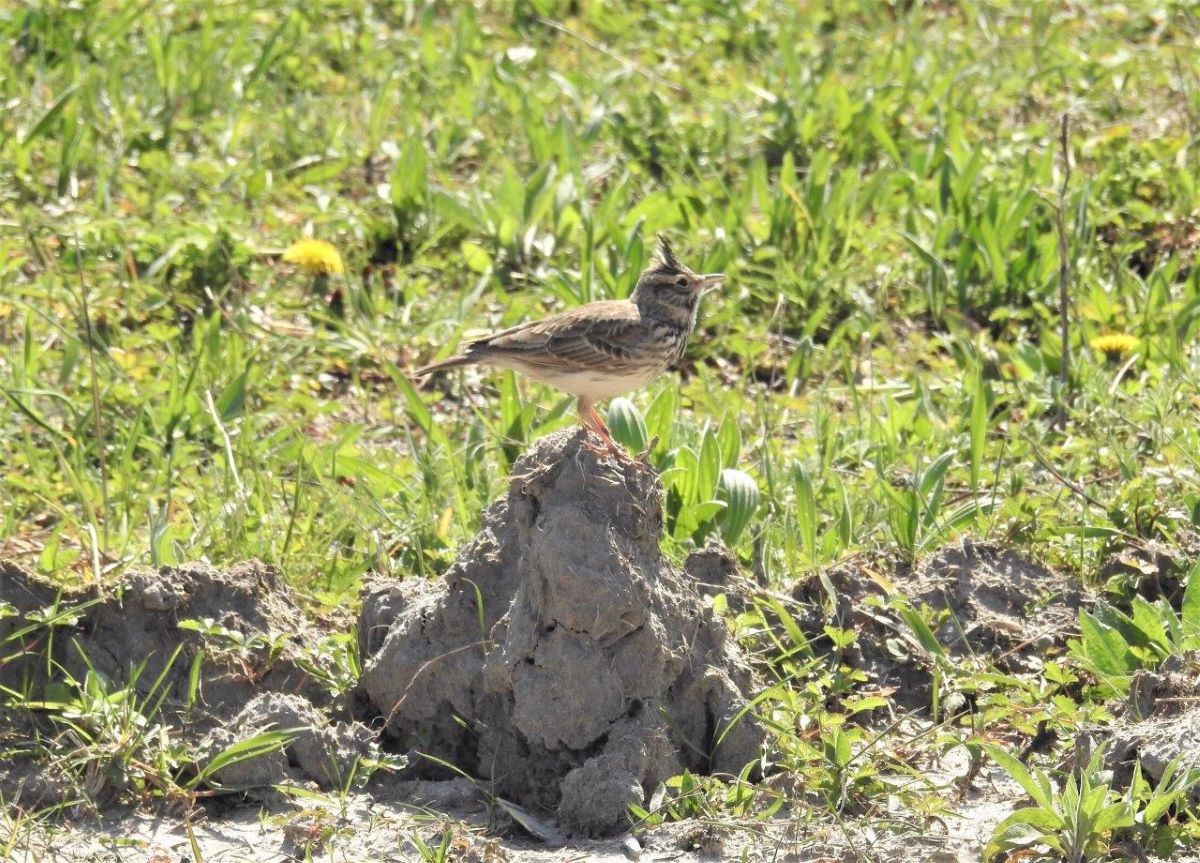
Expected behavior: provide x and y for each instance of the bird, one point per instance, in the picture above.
(601, 349)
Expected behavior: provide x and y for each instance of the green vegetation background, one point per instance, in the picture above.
(879, 180)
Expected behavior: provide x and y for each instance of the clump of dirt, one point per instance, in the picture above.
(248, 625)
(1153, 743)
(988, 602)
(383, 599)
(714, 570)
(562, 655)
(323, 752)
(1152, 568)
(1148, 244)
(1170, 689)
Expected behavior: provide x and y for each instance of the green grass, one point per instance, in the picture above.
(879, 184)
(878, 180)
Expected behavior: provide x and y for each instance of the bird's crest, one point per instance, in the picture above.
(667, 256)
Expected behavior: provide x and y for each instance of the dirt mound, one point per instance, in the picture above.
(318, 751)
(562, 656)
(987, 601)
(246, 623)
(1161, 722)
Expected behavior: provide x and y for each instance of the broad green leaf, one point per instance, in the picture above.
(50, 114)
(787, 621)
(705, 510)
(845, 520)
(806, 512)
(1148, 619)
(729, 439)
(626, 424)
(685, 472)
(475, 256)
(1038, 791)
(1105, 647)
(660, 418)
(1022, 829)
(409, 179)
(1113, 816)
(1191, 600)
(932, 479)
(740, 494)
(233, 398)
(418, 411)
(921, 630)
(1113, 617)
(903, 517)
(842, 746)
(709, 467)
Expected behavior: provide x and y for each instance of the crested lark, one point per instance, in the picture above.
(601, 349)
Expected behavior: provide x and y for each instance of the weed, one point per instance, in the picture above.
(1080, 821)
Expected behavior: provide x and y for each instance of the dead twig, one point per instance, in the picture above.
(97, 421)
(1069, 484)
(613, 55)
(1064, 269)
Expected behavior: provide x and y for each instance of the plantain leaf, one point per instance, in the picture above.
(1038, 791)
(626, 424)
(740, 494)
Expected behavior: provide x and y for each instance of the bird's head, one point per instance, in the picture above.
(666, 280)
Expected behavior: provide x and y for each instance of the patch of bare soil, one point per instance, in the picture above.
(386, 824)
(1160, 723)
(989, 601)
(562, 656)
(1152, 568)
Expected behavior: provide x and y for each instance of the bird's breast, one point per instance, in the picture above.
(596, 384)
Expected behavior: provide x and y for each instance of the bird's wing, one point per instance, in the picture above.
(601, 334)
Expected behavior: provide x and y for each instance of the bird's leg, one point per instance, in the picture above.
(602, 429)
(587, 418)
(593, 421)
(586, 412)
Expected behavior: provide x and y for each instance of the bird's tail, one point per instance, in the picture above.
(453, 362)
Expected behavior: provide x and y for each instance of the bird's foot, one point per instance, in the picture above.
(594, 423)
(593, 447)
(606, 446)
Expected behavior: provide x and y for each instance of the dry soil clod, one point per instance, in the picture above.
(318, 751)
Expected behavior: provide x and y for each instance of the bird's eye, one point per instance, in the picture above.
(682, 281)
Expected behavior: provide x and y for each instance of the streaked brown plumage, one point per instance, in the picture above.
(601, 349)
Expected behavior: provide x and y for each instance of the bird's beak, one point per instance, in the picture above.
(710, 280)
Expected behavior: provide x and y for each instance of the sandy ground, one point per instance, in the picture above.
(371, 827)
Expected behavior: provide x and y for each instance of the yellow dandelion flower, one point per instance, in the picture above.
(1114, 346)
(315, 256)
